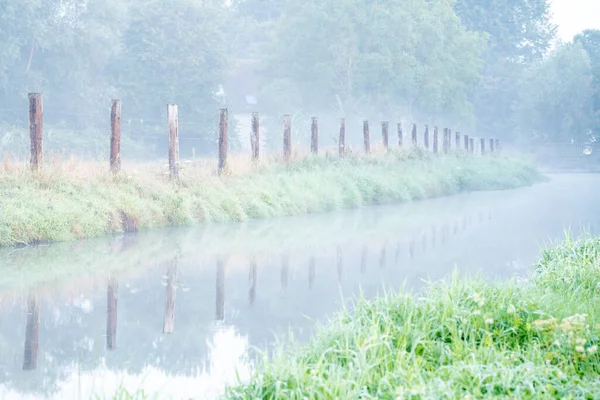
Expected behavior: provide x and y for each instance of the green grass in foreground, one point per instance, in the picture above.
(57, 207)
(463, 339)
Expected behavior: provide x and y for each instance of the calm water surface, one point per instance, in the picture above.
(177, 311)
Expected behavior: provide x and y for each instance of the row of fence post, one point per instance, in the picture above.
(36, 135)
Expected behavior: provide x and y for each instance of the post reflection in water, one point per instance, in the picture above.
(252, 281)
(424, 242)
(32, 332)
(311, 272)
(285, 267)
(169, 321)
(340, 264)
(397, 253)
(382, 255)
(433, 236)
(363, 260)
(411, 248)
(220, 290)
(111, 313)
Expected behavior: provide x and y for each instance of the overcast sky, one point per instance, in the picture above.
(573, 16)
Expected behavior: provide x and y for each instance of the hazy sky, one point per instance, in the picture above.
(573, 16)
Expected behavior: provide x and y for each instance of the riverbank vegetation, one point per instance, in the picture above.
(464, 338)
(61, 205)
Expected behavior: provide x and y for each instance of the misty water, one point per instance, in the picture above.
(103, 305)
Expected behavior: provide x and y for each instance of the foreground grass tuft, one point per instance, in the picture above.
(58, 205)
(460, 339)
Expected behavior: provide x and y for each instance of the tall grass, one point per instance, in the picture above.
(71, 200)
(463, 339)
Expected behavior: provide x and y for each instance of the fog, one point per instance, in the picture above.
(497, 71)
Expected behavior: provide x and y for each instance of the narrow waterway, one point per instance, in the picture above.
(176, 311)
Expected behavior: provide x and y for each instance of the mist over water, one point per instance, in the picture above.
(242, 286)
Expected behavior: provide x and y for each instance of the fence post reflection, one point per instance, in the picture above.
(363, 260)
(32, 333)
(111, 313)
(285, 266)
(311, 272)
(220, 290)
(252, 281)
(169, 321)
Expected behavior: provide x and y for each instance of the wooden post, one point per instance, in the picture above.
(385, 134)
(173, 121)
(471, 145)
(252, 281)
(314, 136)
(491, 145)
(342, 141)
(223, 141)
(426, 137)
(466, 142)
(115, 136)
(497, 145)
(449, 140)
(414, 135)
(169, 321)
(287, 138)
(36, 131)
(366, 137)
(400, 135)
(111, 314)
(435, 139)
(382, 256)
(255, 137)
(457, 141)
(482, 141)
(220, 290)
(32, 334)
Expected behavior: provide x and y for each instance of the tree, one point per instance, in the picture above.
(555, 100)
(590, 41)
(372, 56)
(519, 33)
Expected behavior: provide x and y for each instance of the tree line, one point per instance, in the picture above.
(491, 67)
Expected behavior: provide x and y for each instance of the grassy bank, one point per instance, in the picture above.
(77, 201)
(463, 339)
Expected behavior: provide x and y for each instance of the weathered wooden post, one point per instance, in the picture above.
(472, 145)
(115, 136)
(445, 141)
(220, 290)
(497, 145)
(287, 138)
(36, 131)
(173, 121)
(426, 137)
(466, 142)
(32, 334)
(457, 141)
(314, 136)
(400, 135)
(435, 140)
(482, 142)
(252, 280)
(111, 313)
(255, 137)
(342, 140)
(366, 137)
(491, 145)
(384, 134)
(169, 321)
(449, 139)
(223, 141)
(414, 135)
